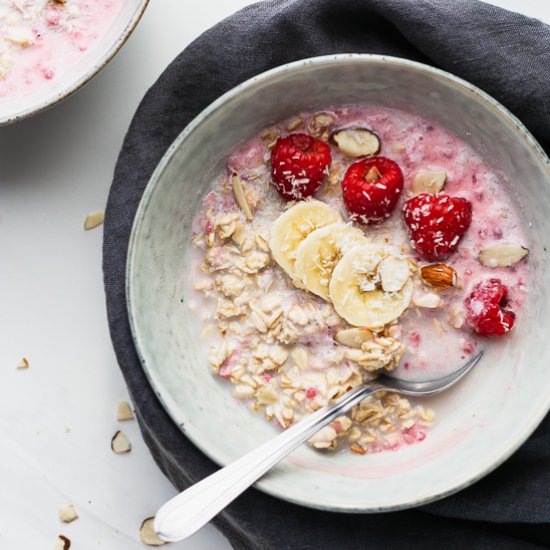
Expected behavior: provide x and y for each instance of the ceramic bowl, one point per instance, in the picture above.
(92, 62)
(481, 422)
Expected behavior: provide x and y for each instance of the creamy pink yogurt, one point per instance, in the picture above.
(41, 39)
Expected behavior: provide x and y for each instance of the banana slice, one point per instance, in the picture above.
(355, 290)
(320, 251)
(294, 225)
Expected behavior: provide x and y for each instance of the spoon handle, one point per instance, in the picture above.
(187, 512)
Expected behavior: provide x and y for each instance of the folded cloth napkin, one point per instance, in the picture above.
(507, 55)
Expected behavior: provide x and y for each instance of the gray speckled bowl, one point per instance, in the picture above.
(43, 97)
(481, 422)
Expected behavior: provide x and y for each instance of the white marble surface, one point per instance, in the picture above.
(58, 416)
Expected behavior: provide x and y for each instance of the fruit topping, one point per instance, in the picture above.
(486, 309)
(356, 142)
(356, 292)
(320, 251)
(299, 164)
(371, 188)
(294, 225)
(436, 224)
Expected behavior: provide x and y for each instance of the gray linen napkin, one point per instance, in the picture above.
(507, 55)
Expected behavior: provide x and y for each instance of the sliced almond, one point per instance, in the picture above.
(502, 255)
(429, 301)
(124, 411)
(93, 220)
(394, 272)
(357, 449)
(438, 275)
(322, 120)
(399, 149)
(353, 337)
(120, 443)
(431, 182)
(267, 396)
(237, 185)
(456, 317)
(67, 513)
(356, 142)
(62, 543)
(294, 124)
(147, 533)
(20, 36)
(373, 175)
(300, 357)
(23, 364)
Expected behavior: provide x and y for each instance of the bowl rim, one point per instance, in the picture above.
(194, 435)
(43, 104)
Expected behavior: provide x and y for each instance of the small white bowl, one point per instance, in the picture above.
(481, 422)
(20, 107)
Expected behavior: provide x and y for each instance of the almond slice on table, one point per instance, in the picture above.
(431, 182)
(356, 142)
(67, 514)
(23, 363)
(94, 220)
(120, 443)
(438, 275)
(62, 543)
(147, 533)
(124, 411)
(502, 255)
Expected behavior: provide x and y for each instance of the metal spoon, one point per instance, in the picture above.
(187, 512)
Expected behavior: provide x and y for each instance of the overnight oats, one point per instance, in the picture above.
(40, 39)
(345, 242)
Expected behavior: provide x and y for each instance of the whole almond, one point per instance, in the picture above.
(438, 275)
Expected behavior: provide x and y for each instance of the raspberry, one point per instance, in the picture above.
(298, 165)
(436, 224)
(371, 188)
(486, 309)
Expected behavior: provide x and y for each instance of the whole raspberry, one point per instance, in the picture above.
(299, 164)
(371, 188)
(486, 309)
(436, 224)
